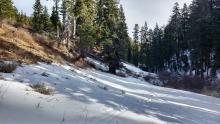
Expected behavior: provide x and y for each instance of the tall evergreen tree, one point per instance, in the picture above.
(157, 52)
(85, 10)
(107, 22)
(145, 47)
(55, 19)
(22, 19)
(136, 34)
(46, 20)
(122, 33)
(7, 10)
(184, 42)
(37, 16)
(135, 51)
(200, 37)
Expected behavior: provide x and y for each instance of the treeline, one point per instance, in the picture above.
(89, 24)
(189, 43)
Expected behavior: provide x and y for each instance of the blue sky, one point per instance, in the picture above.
(137, 11)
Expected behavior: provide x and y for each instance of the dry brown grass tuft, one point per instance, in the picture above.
(2, 32)
(82, 64)
(1, 78)
(41, 88)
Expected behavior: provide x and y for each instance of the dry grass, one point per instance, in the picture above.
(41, 88)
(21, 45)
(82, 64)
(1, 78)
(211, 91)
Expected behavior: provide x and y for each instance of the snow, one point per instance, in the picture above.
(218, 74)
(88, 96)
(137, 70)
(98, 65)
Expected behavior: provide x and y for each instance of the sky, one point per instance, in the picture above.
(136, 11)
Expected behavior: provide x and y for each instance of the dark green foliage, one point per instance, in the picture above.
(46, 20)
(145, 47)
(123, 42)
(112, 32)
(190, 41)
(135, 54)
(136, 33)
(7, 10)
(85, 24)
(135, 47)
(22, 19)
(55, 19)
(37, 16)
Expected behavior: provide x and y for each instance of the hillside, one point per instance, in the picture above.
(47, 88)
(88, 96)
(19, 44)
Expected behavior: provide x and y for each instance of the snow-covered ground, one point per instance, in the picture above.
(136, 70)
(94, 97)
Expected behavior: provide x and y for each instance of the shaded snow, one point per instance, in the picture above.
(80, 98)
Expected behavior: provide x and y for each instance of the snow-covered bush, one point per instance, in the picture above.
(41, 88)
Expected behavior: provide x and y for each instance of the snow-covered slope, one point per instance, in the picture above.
(93, 97)
(136, 70)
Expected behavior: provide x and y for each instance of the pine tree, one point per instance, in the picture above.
(64, 11)
(46, 20)
(85, 10)
(135, 51)
(22, 19)
(157, 50)
(145, 47)
(201, 43)
(7, 10)
(55, 19)
(37, 16)
(136, 34)
(215, 17)
(122, 33)
(129, 54)
(184, 43)
(107, 20)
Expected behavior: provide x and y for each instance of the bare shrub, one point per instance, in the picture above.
(7, 67)
(211, 91)
(164, 76)
(1, 78)
(185, 82)
(41, 88)
(193, 82)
